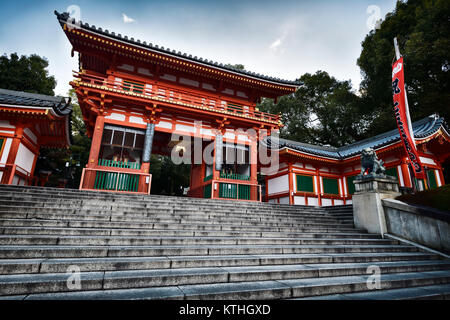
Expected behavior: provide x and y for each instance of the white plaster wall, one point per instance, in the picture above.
(326, 202)
(427, 160)
(229, 135)
(299, 200)
(183, 127)
(116, 116)
(278, 184)
(134, 119)
(164, 124)
(6, 124)
(338, 202)
(400, 176)
(30, 134)
(6, 150)
(313, 201)
(24, 158)
(349, 202)
(284, 200)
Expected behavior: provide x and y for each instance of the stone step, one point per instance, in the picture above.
(174, 240)
(172, 212)
(105, 223)
(19, 266)
(432, 292)
(64, 251)
(48, 200)
(15, 230)
(57, 282)
(269, 289)
(171, 220)
(170, 200)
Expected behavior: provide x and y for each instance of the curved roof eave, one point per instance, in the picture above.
(64, 18)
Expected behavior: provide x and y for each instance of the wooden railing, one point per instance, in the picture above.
(234, 176)
(236, 190)
(116, 180)
(176, 95)
(15, 170)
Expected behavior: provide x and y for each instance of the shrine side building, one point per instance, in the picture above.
(322, 175)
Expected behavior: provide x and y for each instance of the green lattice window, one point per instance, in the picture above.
(330, 186)
(432, 183)
(135, 87)
(305, 183)
(350, 184)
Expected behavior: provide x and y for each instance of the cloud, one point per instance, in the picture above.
(286, 29)
(276, 44)
(127, 19)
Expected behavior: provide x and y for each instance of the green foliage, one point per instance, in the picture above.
(81, 145)
(322, 111)
(27, 74)
(422, 28)
(437, 198)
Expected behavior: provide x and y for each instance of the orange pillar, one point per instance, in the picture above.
(89, 177)
(96, 141)
(406, 175)
(319, 189)
(216, 174)
(291, 184)
(254, 168)
(9, 172)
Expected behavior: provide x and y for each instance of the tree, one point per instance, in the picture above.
(27, 74)
(81, 146)
(322, 111)
(422, 27)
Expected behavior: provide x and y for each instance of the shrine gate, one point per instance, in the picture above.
(135, 97)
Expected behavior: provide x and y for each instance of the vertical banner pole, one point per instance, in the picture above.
(402, 115)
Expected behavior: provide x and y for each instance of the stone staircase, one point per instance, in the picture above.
(156, 247)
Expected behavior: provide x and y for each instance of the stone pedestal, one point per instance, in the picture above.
(367, 208)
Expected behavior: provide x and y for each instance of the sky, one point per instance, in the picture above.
(283, 39)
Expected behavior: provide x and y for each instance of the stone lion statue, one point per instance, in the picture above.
(371, 163)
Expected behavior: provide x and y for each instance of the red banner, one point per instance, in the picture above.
(398, 88)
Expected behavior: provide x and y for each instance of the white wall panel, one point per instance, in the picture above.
(24, 158)
(278, 184)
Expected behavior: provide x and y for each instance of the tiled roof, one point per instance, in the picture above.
(60, 105)
(65, 18)
(422, 128)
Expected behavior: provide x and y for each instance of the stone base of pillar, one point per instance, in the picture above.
(367, 208)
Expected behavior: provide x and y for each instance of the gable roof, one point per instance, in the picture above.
(65, 18)
(60, 105)
(422, 128)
